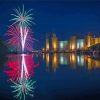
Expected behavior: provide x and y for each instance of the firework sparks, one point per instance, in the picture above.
(20, 32)
(23, 18)
(20, 39)
(20, 66)
(23, 88)
(24, 71)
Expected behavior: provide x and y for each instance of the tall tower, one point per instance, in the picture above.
(89, 40)
(47, 42)
(54, 41)
(73, 43)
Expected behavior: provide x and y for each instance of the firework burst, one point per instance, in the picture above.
(18, 41)
(22, 17)
(19, 66)
(23, 88)
(19, 32)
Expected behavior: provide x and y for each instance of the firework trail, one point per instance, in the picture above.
(21, 68)
(18, 38)
(21, 38)
(19, 65)
(19, 31)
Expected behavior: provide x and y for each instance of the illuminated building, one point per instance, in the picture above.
(47, 42)
(43, 49)
(80, 44)
(89, 41)
(96, 40)
(54, 42)
(51, 42)
(63, 45)
(73, 43)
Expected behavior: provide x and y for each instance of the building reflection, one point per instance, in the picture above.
(52, 60)
(20, 69)
(72, 60)
(92, 63)
(63, 59)
(47, 61)
(43, 56)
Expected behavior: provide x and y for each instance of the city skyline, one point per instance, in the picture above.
(75, 43)
(50, 49)
(65, 18)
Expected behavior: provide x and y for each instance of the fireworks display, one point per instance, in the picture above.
(22, 17)
(21, 68)
(20, 34)
(16, 41)
(23, 88)
(19, 65)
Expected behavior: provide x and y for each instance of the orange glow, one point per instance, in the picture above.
(73, 46)
(47, 58)
(73, 60)
(47, 47)
(47, 44)
(96, 40)
(43, 56)
(89, 40)
(73, 57)
(88, 44)
(55, 59)
(54, 45)
(43, 49)
(55, 62)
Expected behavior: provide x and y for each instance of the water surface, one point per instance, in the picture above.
(49, 77)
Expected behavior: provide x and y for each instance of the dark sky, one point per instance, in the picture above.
(65, 18)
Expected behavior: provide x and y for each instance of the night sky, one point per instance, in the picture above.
(65, 18)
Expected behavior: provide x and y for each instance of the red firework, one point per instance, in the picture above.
(14, 66)
(15, 38)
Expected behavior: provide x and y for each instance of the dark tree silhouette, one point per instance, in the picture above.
(3, 52)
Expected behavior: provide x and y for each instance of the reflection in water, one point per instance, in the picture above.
(23, 87)
(47, 60)
(52, 60)
(92, 63)
(71, 59)
(80, 60)
(63, 60)
(43, 56)
(20, 69)
(55, 62)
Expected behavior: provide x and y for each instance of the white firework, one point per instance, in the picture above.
(22, 17)
(23, 88)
